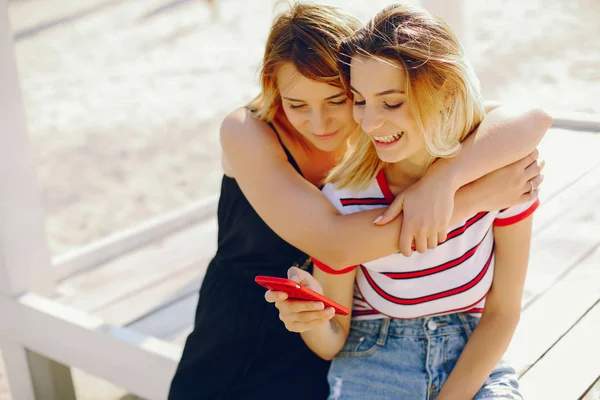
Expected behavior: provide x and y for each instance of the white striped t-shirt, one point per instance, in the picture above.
(455, 276)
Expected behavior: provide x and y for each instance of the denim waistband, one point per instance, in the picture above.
(419, 327)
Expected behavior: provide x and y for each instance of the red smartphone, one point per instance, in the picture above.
(297, 292)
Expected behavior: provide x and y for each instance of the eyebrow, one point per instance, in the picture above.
(327, 98)
(389, 91)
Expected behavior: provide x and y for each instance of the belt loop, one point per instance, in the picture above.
(465, 323)
(383, 332)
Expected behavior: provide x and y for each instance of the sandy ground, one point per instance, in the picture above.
(124, 97)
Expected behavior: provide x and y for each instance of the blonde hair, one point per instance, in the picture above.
(308, 36)
(442, 90)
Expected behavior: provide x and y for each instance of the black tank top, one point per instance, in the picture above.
(236, 348)
(246, 244)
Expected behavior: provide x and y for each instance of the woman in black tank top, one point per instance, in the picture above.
(239, 349)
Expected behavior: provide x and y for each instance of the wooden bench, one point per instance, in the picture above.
(125, 319)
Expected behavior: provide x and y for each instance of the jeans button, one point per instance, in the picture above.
(432, 325)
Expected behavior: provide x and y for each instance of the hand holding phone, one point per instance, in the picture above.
(297, 292)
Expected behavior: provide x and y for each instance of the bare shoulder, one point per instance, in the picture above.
(247, 139)
(242, 127)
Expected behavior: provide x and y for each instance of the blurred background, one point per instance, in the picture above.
(124, 97)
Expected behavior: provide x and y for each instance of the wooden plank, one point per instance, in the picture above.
(576, 120)
(18, 373)
(560, 147)
(546, 320)
(559, 202)
(140, 364)
(128, 240)
(594, 392)
(562, 245)
(571, 366)
(24, 253)
(169, 322)
(136, 271)
(174, 287)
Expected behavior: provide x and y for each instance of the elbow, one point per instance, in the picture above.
(539, 121)
(328, 354)
(334, 259)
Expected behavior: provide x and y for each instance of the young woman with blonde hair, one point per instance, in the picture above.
(276, 154)
(432, 325)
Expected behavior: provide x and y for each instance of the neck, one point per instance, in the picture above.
(402, 174)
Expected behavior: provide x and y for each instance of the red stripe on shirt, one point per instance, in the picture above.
(519, 217)
(385, 188)
(461, 309)
(326, 268)
(462, 229)
(437, 269)
(366, 201)
(431, 297)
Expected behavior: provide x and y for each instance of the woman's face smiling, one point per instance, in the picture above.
(321, 113)
(380, 108)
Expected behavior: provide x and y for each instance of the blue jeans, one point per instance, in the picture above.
(409, 360)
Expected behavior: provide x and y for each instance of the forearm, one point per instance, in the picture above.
(327, 340)
(502, 138)
(346, 240)
(481, 354)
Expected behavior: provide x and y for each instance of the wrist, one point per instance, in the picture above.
(466, 198)
(447, 172)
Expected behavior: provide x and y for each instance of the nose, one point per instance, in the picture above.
(318, 122)
(370, 120)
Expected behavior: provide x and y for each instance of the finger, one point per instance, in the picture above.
(442, 236)
(533, 170)
(273, 296)
(529, 197)
(405, 245)
(530, 158)
(299, 306)
(307, 316)
(421, 243)
(537, 181)
(432, 241)
(299, 275)
(305, 326)
(391, 212)
(533, 184)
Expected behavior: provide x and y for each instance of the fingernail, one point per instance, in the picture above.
(319, 306)
(331, 311)
(376, 220)
(295, 278)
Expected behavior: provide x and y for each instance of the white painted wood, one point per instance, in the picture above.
(150, 299)
(562, 246)
(140, 364)
(24, 254)
(546, 320)
(576, 120)
(17, 371)
(128, 240)
(171, 321)
(136, 271)
(456, 15)
(571, 366)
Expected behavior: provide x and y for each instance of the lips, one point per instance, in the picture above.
(325, 136)
(385, 141)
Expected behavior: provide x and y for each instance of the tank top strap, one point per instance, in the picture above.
(287, 152)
